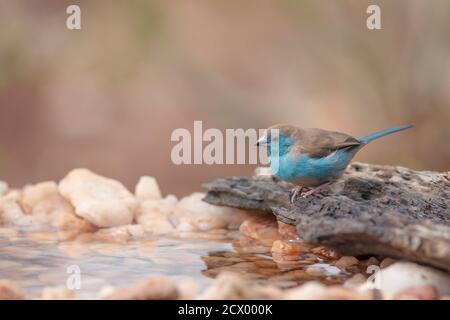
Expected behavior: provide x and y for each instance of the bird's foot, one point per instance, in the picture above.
(315, 190)
(295, 192)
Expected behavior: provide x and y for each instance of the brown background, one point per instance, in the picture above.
(107, 97)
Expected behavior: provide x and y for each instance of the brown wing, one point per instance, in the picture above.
(320, 143)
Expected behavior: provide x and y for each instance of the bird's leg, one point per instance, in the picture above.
(295, 192)
(314, 190)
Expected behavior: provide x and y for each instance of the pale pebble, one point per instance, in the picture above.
(191, 213)
(403, 275)
(102, 201)
(147, 189)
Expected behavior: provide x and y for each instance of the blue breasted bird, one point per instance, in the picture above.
(310, 157)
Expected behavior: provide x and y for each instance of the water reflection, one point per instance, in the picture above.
(38, 261)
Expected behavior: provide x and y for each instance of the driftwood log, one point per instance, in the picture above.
(371, 210)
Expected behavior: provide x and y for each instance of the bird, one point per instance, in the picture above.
(310, 157)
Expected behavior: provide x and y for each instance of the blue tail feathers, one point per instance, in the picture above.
(383, 133)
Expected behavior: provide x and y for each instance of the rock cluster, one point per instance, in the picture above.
(271, 258)
(85, 205)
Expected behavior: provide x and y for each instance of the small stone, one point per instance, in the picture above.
(355, 281)
(229, 285)
(167, 204)
(418, 293)
(70, 225)
(372, 261)
(327, 253)
(32, 195)
(387, 262)
(316, 271)
(3, 188)
(238, 217)
(346, 262)
(103, 202)
(290, 248)
(193, 214)
(314, 290)
(326, 269)
(147, 189)
(400, 276)
(154, 214)
(57, 294)
(250, 246)
(262, 228)
(187, 289)
(156, 288)
(11, 213)
(48, 208)
(9, 291)
(213, 262)
(287, 231)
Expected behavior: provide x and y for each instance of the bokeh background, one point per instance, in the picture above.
(107, 97)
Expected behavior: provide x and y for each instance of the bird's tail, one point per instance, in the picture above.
(383, 133)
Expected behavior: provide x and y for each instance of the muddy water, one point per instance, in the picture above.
(36, 261)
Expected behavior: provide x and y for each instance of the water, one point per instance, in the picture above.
(37, 260)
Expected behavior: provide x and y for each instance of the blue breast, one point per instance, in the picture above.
(304, 167)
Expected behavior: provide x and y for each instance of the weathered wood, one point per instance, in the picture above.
(376, 210)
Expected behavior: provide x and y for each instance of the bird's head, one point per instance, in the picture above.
(280, 137)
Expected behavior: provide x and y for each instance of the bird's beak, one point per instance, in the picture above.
(262, 142)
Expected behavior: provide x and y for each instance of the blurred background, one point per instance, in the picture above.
(108, 96)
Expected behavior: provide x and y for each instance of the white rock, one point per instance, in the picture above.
(154, 288)
(355, 281)
(48, 208)
(11, 213)
(193, 214)
(102, 201)
(230, 285)
(147, 189)
(33, 194)
(154, 214)
(187, 289)
(314, 290)
(40, 207)
(403, 275)
(324, 268)
(3, 188)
